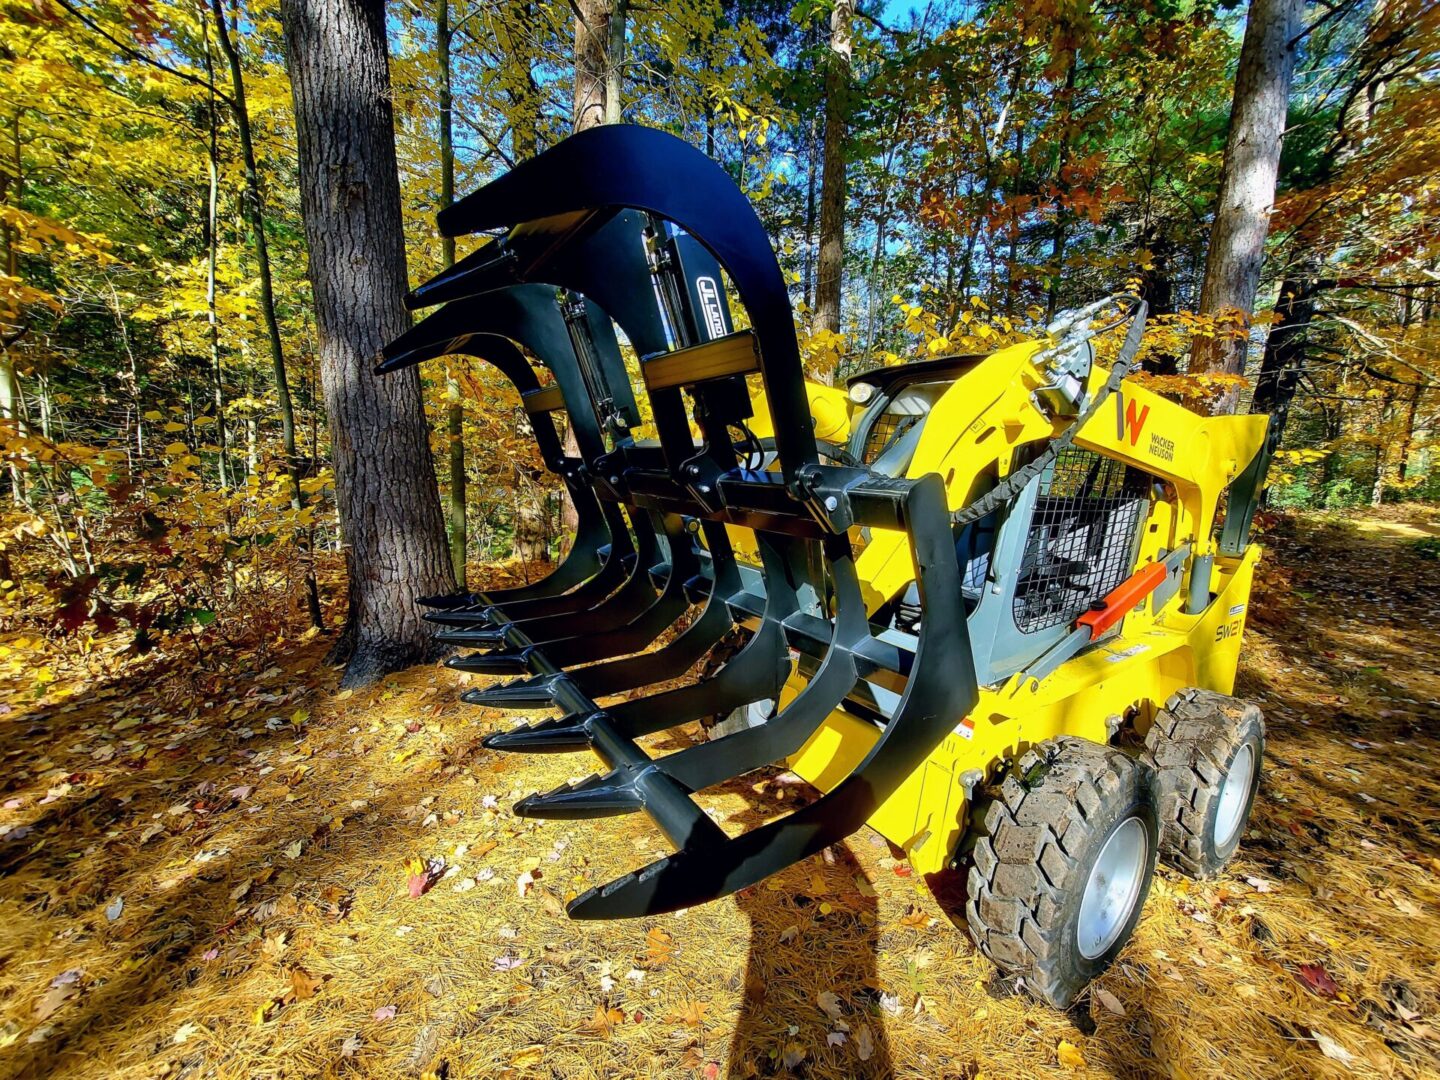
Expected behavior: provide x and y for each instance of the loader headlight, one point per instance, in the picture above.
(861, 392)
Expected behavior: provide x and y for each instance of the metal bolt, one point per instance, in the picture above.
(831, 503)
(971, 779)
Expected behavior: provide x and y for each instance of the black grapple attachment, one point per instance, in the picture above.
(631, 225)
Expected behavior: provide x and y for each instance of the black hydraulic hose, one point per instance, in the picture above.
(1013, 484)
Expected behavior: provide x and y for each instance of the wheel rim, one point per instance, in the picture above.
(1113, 888)
(1234, 796)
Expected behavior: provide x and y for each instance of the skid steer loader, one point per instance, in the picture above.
(987, 604)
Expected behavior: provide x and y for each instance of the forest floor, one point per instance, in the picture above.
(219, 866)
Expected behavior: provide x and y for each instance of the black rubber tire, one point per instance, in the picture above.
(1191, 746)
(1033, 854)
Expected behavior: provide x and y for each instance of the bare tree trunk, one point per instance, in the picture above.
(1247, 186)
(592, 40)
(255, 205)
(531, 532)
(350, 200)
(454, 409)
(11, 185)
(1377, 487)
(615, 64)
(830, 265)
(593, 37)
(1062, 161)
(212, 252)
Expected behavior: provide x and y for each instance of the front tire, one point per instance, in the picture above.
(1062, 864)
(1206, 750)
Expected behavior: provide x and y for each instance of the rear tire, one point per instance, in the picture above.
(1062, 864)
(1206, 750)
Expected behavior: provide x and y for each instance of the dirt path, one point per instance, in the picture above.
(215, 873)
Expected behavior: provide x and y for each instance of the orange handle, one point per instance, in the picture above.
(1122, 598)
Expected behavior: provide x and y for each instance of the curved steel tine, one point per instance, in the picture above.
(529, 315)
(699, 767)
(618, 165)
(754, 674)
(940, 691)
(583, 561)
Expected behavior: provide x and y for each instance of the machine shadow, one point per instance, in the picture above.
(803, 945)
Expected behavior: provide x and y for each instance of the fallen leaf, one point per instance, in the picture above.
(1109, 1001)
(864, 1043)
(1332, 1049)
(304, 985)
(835, 1038)
(385, 1012)
(53, 998)
(793, 1056)
(115, 909)
(184, 1033)
(659, 947)
(829, 1004)
(1318, 981)
(240, 891)
(915, 918)
(692, 1015)
(1069, 1055)
(604, 1020)
(790, 933)
(523, 883)
(292, 851)
(530, 1055)
(506, 962)
(351, 1046)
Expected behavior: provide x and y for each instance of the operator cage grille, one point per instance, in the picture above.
(1082, 539)
(886, 431)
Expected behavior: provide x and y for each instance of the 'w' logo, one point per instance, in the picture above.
(1132, 420)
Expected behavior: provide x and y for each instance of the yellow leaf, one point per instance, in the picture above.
(176, 449)
(154, 414)
(659, 948)
(531, 1055)
(172, 427)
(1070, 1055)
(604, 1020)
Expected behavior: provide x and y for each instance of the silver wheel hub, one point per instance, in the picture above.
(1113, 888)
(1234, 796)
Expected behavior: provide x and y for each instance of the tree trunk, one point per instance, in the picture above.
(11, 187)
(350, 201)
(592, 80)
(615, 64)
(454, 409)
(531, 531)
(830, 265)
(212, 253)
(1247, 187)
(1377, 487)
(1062, 161)
(592, 40)
(255, 205)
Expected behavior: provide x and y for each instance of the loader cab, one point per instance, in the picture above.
(1030, 568)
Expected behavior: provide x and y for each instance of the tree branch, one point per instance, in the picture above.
(144, 58)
